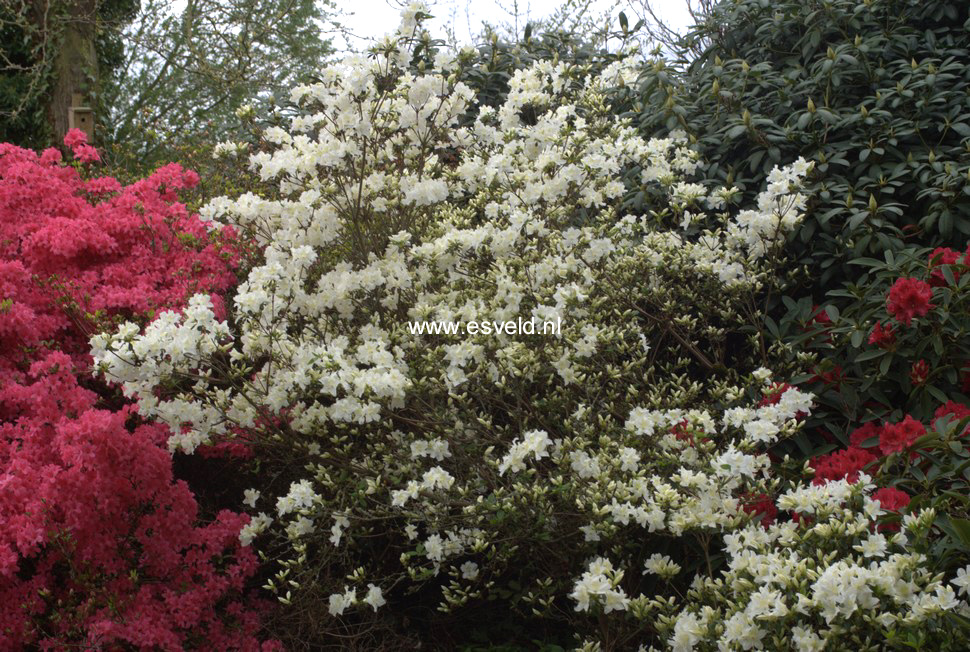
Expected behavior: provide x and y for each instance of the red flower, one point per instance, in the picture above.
(942, 256)
(841, 464)
(820, 317)
(957, 410)
(920, 372)
(760, 504)
(908, 298)
(773, 394)
(679, 430)
(882, 337)
(891, 500)
(898, 436)
(820, 323)
(864, 433)
(831, 377)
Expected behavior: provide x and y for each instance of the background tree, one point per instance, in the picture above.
(188, 67)
(49, 51)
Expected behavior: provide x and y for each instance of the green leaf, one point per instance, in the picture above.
(871, 354)
(884, 365)
(936, 393)
(961, 527)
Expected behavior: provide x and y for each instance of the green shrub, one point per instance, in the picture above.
(875, 92)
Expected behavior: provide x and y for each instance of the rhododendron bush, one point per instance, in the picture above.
(586, 485)
(100, 546)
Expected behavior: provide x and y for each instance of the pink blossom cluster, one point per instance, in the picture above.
(71, 248)
(100, 545)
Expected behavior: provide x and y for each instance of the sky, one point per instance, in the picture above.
(373, 18)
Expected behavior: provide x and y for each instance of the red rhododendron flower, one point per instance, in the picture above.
(833, 376)
(773, 393)
(760, 505)
(680, 431)
(908, 298)
(957, 411)
(942, 256)
(919, 372)
(881, 336)
(898, 436)
(864, 433)
(820, 317)
(841, 464)
(891, 500)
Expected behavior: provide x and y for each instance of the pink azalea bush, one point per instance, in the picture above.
(100, 545)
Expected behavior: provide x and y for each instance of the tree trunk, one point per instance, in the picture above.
(75, 70)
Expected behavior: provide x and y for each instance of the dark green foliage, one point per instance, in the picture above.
(498, 60)
(30, 35)
(874, 91)
(23, 77)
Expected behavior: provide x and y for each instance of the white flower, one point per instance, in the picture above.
(806, 640)
(469, 570)
(434, 548)
(962, 580)
(374, 597)
(257, 525)
(534, 442)
(661, 565)
(762, 374)
(250, 496)
(873, 546)
(340, 523)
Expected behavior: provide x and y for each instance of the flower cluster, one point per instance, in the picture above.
(829, 581)
(100, 545)
(909, 298)
(444, 466)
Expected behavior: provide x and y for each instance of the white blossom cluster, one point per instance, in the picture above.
(399, 200)
(838, 581)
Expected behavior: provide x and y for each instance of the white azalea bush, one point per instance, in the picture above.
(545, 477)
(835, 578)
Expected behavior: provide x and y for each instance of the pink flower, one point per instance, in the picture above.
(50, 156)
(908, 298)
(75, 137)
(86, 154)
(91, 513)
